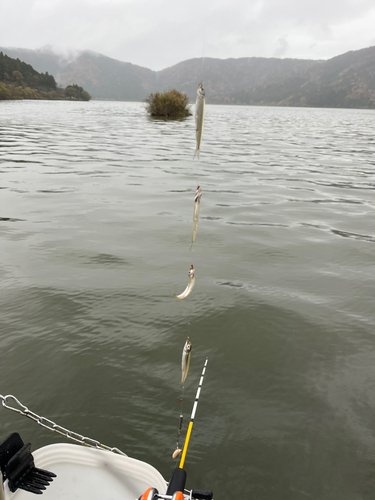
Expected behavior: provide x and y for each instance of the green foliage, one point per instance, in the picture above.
(76, 92)
(18, 72)
(70, 92)
(172, 104)
(85, 95)
(26, 83)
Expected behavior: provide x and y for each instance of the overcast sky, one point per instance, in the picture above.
(159, 33)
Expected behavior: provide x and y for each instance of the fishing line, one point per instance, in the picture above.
(182, 396)
(204, 36)
(181, 417)
(177, 451)
(203, 58)
(202, 72)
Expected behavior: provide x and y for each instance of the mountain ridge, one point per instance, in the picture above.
(346, 80)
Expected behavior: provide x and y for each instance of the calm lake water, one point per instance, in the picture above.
(96, 208)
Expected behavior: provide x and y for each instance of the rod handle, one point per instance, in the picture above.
(177, 482)
(202, 494)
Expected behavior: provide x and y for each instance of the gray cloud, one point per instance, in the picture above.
(160, 33)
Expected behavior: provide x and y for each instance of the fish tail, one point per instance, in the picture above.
(196, 154)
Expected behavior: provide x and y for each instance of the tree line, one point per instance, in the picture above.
(19, 80)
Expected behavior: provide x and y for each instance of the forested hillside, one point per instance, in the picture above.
(19, 80)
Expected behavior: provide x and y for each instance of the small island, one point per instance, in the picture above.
(19, 80)
(170, 104)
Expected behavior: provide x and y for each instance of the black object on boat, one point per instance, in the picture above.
(17, 465)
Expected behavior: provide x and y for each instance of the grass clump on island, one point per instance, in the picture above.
(170, 104)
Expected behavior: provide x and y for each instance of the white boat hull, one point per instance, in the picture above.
(90, 474)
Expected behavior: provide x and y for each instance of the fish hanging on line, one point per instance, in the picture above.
(197, 203)
(199, 117)
(190, 285)
(185, 362)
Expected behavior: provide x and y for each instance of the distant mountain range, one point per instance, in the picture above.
(347, 80)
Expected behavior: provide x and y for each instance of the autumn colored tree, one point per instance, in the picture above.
(4, 92)
(17, 76)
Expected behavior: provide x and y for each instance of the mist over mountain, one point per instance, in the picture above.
(347, 80)
(44, 59)
(19, 80)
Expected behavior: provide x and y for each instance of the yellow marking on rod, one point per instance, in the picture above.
(181, 466)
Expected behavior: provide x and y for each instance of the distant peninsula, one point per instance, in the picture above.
(19, 80)
(345, 81)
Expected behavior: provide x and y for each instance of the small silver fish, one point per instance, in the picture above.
(185, 363)
(190, 285)
(199, 117)
(197, 204)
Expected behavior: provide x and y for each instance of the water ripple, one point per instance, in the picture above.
(97, 208)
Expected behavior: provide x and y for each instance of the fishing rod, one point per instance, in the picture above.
(176, 486)
(178, 479)
(182, 461)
